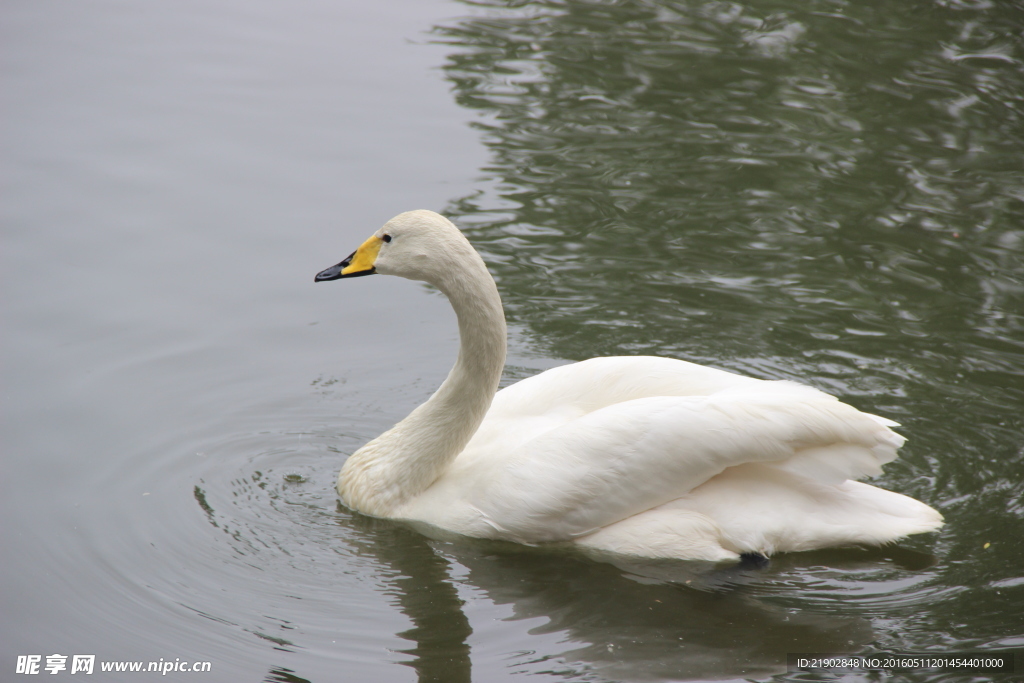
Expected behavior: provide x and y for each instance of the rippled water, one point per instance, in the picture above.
(820, 191)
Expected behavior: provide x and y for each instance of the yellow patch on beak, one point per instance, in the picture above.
(364, 257)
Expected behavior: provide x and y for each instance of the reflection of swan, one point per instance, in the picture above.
(635, 455)
(583, 616)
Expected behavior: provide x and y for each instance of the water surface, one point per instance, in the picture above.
(820, 191)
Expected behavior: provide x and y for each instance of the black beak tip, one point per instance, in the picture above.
(332, 273)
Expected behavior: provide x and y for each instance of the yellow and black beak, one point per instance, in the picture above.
(360, 262)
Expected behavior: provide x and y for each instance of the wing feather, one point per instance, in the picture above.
(628, 457)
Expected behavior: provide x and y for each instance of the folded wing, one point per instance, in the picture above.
(624, 458)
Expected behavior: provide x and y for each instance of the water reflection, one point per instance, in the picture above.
(625, 625)
(423, 589)
(269, 507)
(621, 620)
(740, 168)
(822, 191)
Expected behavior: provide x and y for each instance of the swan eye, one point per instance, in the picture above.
(386, 238)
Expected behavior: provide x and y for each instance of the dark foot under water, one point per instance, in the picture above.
(753, 561)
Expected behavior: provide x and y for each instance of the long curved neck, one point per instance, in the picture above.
(402, 462)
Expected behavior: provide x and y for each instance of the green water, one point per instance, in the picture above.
(828, 192)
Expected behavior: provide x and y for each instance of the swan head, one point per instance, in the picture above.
(418, 245)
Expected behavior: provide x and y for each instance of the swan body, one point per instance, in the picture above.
(640, 455)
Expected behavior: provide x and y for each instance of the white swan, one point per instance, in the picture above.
(636, 455)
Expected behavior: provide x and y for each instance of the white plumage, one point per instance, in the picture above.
(636, 455)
